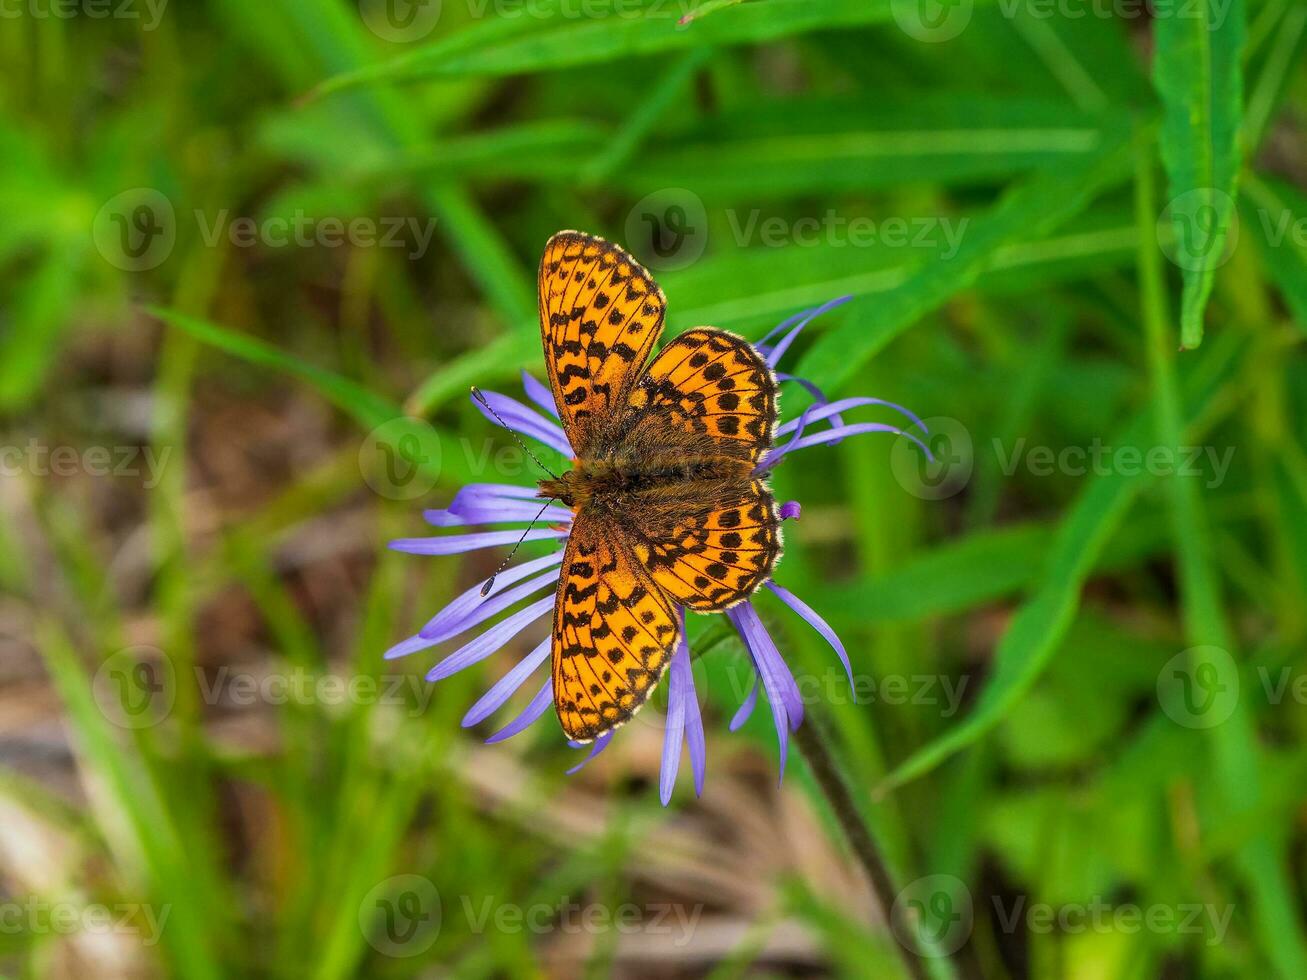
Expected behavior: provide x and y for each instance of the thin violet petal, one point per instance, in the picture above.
(746, 709)
(760, 646)
(472, 598)
(456, 544)
(783, 345)
(523, 420)
(507, 686)
(486, 494)
(817, 394)
(412, 645)
(599, 745)
(490, 641)
(791, 510)
(844, 404)
(813, 619)
(677, 693)
(539, 394)
(781, 327)
(444, 627)
(694, 735)
(834, 435)
(776, 677)
(501, 513)
(776, 455)
(538, 706)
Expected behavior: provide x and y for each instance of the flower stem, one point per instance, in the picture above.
(813, 740)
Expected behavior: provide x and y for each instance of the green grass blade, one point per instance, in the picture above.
(1036, 206)
(557, 40)
(1274, 213)
(1233, 744)
(1039, 625)
(1197, 74)
(368, 408)
(131, 794)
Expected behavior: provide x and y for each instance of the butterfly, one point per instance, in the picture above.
(669, 511)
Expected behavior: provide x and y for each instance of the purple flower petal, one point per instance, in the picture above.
(824, 410)
(491, 640)
(855, 429)
(456, 544)
(507, 686)
(819, 396)
(746, 709)
(472, 599)
(538, 706)
(791, 510)
(811, 617)
(445, 627)
(412, 645)
(694, 735)
(765, 343)
(678, 691)
(598, 746)
(539, 394)
(477, 495)
(782, 693)
(783, 344)
(523, 420)
(774, 456)
(500, 513)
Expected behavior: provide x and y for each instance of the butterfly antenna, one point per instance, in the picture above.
(490, 582)
(476, 393)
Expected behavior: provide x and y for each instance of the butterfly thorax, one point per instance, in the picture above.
(626, 478)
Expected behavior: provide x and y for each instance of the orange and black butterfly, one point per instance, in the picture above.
(669, 511)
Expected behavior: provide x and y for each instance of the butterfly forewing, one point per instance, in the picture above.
(600, 316)
(614, 631)
(710, 382)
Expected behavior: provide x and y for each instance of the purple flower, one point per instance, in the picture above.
(524, 593)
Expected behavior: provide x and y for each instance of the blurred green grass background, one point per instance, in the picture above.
(190, 397)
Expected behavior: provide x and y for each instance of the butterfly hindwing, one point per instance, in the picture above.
(710, 545)
(614, 631)
(600, 315)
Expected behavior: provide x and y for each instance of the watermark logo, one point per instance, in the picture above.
(136, 687)
(400, 21)
(674, 222)
(400, 459)
(932, 916)
(1199, 687)
(400, 916)
(932, 21)
(944, 476)
(1199, 229)
(136, 230)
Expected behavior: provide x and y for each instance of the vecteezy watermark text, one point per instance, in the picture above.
(148, 12)
(38, 916)
(305, 231)
(836, 230)
(136, 687)
(669, 919)
(1101, 460)
(39, 459)
(1100, 916)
